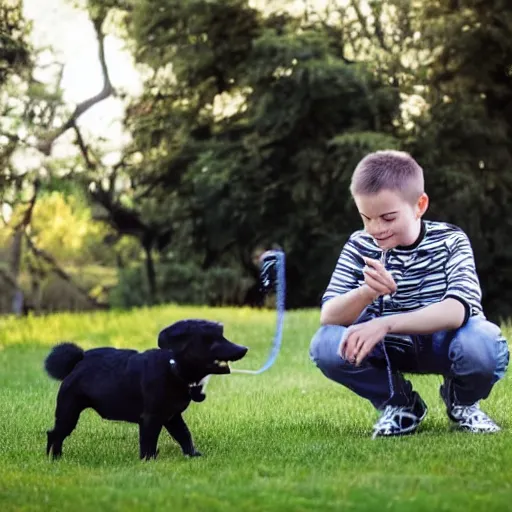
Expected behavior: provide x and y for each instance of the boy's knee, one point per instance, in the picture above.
(503, 358)
(323, 349)
(478, 347)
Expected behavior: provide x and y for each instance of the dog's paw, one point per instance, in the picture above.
(54, 457)
(150, 455)
(195, 453)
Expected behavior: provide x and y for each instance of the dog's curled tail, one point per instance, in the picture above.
(62, 359)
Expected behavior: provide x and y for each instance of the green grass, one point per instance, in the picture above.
(288, 439)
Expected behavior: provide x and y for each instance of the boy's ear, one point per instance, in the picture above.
(422, 205)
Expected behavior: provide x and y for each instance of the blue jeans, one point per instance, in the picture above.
(472, 359)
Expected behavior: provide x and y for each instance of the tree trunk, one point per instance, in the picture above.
(17, 249)
(14, 271)
(150, 272)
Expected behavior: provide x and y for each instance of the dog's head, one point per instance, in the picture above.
(200, 346)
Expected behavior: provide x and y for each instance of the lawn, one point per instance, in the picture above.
(287, 439)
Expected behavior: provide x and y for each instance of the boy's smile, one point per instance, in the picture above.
(390, 218)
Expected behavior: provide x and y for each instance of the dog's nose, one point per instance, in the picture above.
(237, 352)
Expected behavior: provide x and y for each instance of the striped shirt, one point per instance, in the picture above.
(439, 265)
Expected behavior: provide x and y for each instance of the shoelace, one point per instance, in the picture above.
(473, 418)
(386, 422)
(463, 412)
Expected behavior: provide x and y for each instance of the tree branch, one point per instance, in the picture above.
(83, 149)
(45, 145)
(9, 149)
(27, 216)
(8, 278)
(361, 18)
(122, 219)
(378, 26)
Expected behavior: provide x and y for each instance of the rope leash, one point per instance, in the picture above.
(364, 317)
(388, 361)
(272, 275)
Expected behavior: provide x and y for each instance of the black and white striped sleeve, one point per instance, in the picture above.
(462, 278)
(347, 271)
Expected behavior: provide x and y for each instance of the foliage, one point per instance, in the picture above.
(180, 283)
(14, 49)
(62, 228)
(243, 144)
(15, 64)
(62, 225)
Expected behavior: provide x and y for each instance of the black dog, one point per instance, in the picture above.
(150, 388)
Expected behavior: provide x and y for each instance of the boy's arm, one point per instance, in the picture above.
(449, 314)
(344, 309)
(361, 339)
(344, 299)
(462, 295)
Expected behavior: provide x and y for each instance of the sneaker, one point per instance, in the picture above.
(398, 420)
(467, 417)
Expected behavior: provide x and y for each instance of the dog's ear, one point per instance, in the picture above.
(172, 339)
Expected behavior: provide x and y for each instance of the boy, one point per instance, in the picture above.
(405, 297)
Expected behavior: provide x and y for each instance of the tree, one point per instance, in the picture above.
(251, 124)
(463, 139)
(32, 118)
(246, 119)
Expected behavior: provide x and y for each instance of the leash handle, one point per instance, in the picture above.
(272, 275)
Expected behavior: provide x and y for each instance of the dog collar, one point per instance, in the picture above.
(195, 388)
(176, 372)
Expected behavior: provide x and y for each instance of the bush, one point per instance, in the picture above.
(180, 283)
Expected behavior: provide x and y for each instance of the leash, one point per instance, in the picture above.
(388, 361)
(363, 317)
(272, 276)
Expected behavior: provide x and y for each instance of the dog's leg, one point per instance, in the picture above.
(66, 417)
(178, 429)
(149, 430)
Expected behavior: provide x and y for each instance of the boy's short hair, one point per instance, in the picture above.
(388, 170)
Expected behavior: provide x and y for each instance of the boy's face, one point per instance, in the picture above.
(390, 219)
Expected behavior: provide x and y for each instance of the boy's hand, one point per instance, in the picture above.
(359, 340)
(378, 278)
